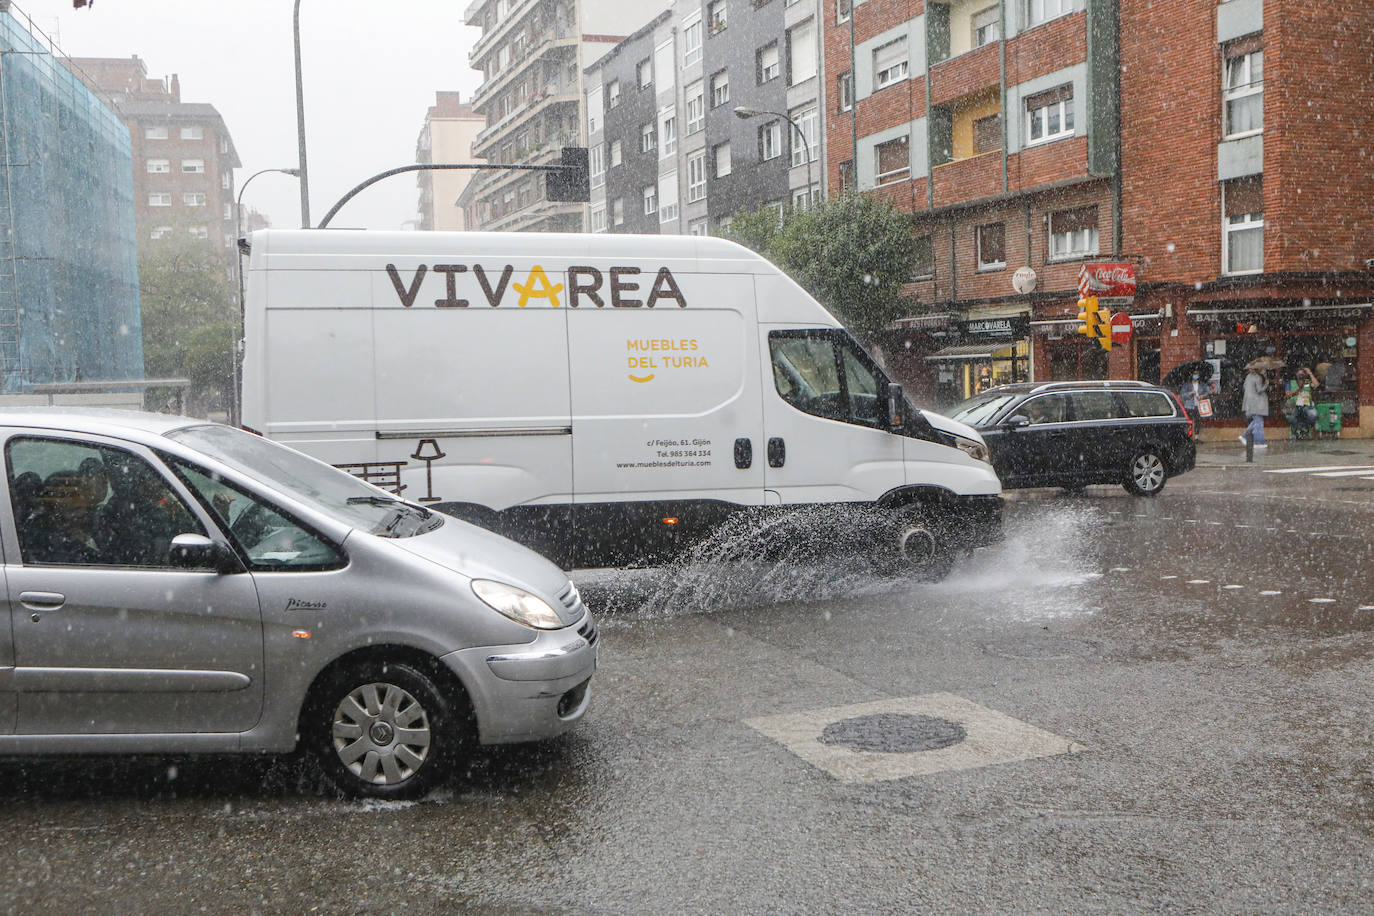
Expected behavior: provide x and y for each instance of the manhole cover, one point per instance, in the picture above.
(893, 733)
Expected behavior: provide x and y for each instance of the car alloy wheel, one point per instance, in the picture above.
(381, 734)
(1147, 474)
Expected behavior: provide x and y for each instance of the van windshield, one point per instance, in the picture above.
(335, 492)
(977, 411)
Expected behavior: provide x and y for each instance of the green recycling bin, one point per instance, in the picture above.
(1329, 419)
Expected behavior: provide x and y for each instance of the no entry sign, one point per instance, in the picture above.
(1121, 328)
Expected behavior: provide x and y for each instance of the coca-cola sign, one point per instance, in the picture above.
(1107, 281)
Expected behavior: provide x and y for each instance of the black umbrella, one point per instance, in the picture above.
(1184, 372)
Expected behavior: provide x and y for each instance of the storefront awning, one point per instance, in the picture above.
(1241, 309)
(971, 351)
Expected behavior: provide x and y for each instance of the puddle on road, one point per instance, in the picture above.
(818, 554)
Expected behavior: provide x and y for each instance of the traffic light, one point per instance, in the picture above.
(571, 181)
(1104, 327)
(1088, 317)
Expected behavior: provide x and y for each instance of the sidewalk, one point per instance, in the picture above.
(1283, 452)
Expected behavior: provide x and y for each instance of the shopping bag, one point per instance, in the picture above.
(1204, 407)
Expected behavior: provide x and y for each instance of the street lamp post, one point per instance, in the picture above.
(745, 114)
(238, 252)
(301, 172)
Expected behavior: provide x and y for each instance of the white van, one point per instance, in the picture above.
(601, 398)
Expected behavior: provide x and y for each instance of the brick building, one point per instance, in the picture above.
(1054, 133)
(183, 156)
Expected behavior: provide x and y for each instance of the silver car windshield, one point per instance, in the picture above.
(335, 492)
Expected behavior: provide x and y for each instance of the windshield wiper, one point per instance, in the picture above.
(372, 500)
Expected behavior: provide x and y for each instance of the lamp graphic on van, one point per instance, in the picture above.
(428, 451)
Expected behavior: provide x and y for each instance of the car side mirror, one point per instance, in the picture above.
(896, 407)
(1016, 421)
(196, 551)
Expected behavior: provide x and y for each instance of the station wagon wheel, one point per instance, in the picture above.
(1146, 474)
(381, 730)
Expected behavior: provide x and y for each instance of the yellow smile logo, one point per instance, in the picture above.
(647, 378)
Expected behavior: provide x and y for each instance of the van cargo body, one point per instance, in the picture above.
(600, 398)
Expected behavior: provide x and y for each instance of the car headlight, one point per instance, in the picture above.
(517, 604)
(973, 448)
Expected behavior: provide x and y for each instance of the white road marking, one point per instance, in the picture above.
(1328, 467)
(1120, 569)
(1198, 581)
(991, 738)
(1242, 526)
(1168, 577)
(1361, 472)
(1367, 607)
(1270, 592)
(1321, 600)
(1233, 586)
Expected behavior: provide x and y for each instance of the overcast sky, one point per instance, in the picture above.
(370, 71)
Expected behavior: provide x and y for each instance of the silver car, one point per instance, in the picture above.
(181, 586)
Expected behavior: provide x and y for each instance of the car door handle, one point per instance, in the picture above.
(744, 453)
(42, 601)
(777, 452)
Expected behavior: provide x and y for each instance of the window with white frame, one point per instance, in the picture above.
(159, 198)
(644, 72)
(800, 198)
(667, 132)
(596, 99)
(224, 180)
(770, 141)
(696, 108)
(155, 133)
(720, 154)
(696, 176)
(613, 93)
(768, 63)
(807, 119)
(618, 211)
(992, 246)
(1242, 226)
(650, 194)
(724, 223)
(801, 52)
(1244, 93)
(616, 157)
(160, 232)
(691, 42)
(844, 86)
(193, 198)
(890, 63)
(596, 166)
(228, 211)
(193, 133)
(987, 26)
(667, 198)
(720, 88)
(193, 166)
(598, 219)
(1073, 233)
(199, 232)
(892, 160)
(842, 10)
(715, 15)
(1038, 11)
(646, 137)
(158, 166)
(1049, 115)
(697, 227)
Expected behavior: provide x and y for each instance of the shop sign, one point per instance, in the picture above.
(1107, 281)
(1012, 327)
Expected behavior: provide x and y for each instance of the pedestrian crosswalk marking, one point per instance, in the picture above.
(1362, 468)
(1360, 473)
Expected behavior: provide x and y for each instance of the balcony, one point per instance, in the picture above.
(485, 183)
(531, 110)
(528, 57)
(965, 180)
(503, 28)
(968, 73)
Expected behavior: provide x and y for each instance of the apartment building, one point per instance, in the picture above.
(1053, 134)
(710, 109)
(449, 129)
(183, 155)
(531, 55)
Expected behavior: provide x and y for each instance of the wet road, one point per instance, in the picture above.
(1130, 704)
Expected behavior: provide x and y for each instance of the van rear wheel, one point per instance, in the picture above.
(382, 730)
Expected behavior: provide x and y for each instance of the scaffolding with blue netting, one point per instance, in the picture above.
(68, 245)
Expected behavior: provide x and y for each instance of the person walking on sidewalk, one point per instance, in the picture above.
(1255, 406)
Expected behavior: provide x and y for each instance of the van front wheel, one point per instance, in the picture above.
(919, 549)
(382, 730)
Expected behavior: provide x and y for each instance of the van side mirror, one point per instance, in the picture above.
(896, 407)
(196, 551)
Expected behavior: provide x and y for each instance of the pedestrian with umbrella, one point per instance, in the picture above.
(1255, 404)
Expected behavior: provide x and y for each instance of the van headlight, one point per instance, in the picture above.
(517, 604)
(973, 448)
